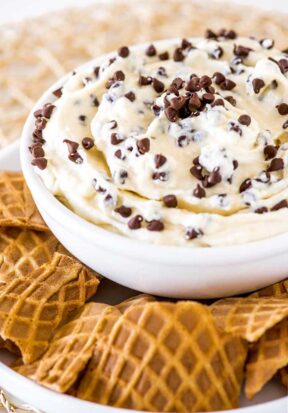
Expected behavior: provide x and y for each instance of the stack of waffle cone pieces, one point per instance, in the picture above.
(260, 319)
(40, 284)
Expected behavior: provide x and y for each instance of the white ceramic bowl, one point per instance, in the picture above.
(161, 270)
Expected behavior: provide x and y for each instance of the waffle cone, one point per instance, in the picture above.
(71, 348)
(23, 251)
(275, 290)
(31, 307)
(165, 357)
(266, 357)
(17, 208)
(250, 317)
(283, 375)
(138, 299)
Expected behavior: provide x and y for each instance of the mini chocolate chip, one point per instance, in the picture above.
(130, 96)
(158, 85)
(192, 233)
(116, 138)
(178, 102)
(37, 151)
(241, 51)
(87, 143)
(208, 97)
(276, 165)
(194, 102)
(144, 81)
(37, 113)
(164, 56)
(58, 92)
(209, 34)
(41, 163)
(235, 128)
(160, 176)
(280, 205)
(227, 84)
(217, 53)
(135, 222)
(205, 81)
(113, 123)
(94, 101)
(123, 51)
(75, 157)
(199, 192)
(171, 114)
(228, 34)
(193, 85)
(212, 179)
(217, 102)
(162, 71)
(261, 210)
(177, 83)
(178, 55)
(118, 154)
(185, 44)
(170, 201)
(72, 146)
(159, 160)
(244, 120)
(119, 75)
(155, 225)
(124, 211)
(47, 110)
(151, 51)
(40, 123)
(235, 164)
(257, 84)
(270, 151)
(245, 185)
(196, 171)
(156, 110)
(285, 125)
(231, 100)
(82, 118)
(143, 145)
(283, 65)
(96, 71)
(282, 109)
(218, 78)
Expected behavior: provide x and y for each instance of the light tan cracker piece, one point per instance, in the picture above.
(71, 347)
(32, 307)
(266, 357)
(17, 208)
(166, 357)
(274, 290)
(249, 317)
(23, 250)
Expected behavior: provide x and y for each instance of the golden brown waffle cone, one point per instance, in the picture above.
(138, 299)
(266, 357)
(71, 347)
(23, 250)
(275, 290)
(283, 374)
(249, 317)
(17, 208)
(166, 357)
(31, 307)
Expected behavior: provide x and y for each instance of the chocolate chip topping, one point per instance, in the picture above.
(212, 179)
(282, 109)
(227, 84)
(72, 146)
(47, 110)
(241, 51)
(170, 201)
(135, 222)
(155, 225)
(130, 96)
(257, 84)
(218, 78)
(41, 163)
(96, 71)
(196, 171)
(199, 192)
(116, 138)
(270, 151)
(124, 211)
(158, 85)
(87, 143)
(164, 56)
(261, 210)
(144, 81)
(277, 164)
(151, 51)
(178, 55)
(244, 120)
(231, 100)
(192, 233)
(114, 124)
(58, 92)
(280, 205)
(171, 114)
(159, 160)
(37, 151)
(285, 125)
(123, 51)
(245, 185)
(143, 145)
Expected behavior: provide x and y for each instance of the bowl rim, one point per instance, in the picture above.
(121, 244)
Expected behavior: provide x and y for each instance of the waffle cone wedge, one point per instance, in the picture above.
(283, 375)
(275, 290)
(71, 347)
(17, 208)
(250, 317)
(138, 299)
(165, 357)
(31, 307)
(24, 250)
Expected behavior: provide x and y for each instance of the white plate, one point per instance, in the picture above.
(271, 400)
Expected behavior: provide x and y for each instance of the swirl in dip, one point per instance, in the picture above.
(183, 142)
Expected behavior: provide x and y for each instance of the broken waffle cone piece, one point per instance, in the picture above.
(283, 375)
(71, 348)
(138, 299)
(31, 307)
(249, 317)
(266, 357)
(23, 251)
(275, 290)
(166, 357)
(17, 208)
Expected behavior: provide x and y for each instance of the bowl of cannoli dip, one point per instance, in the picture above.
(163, 166)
